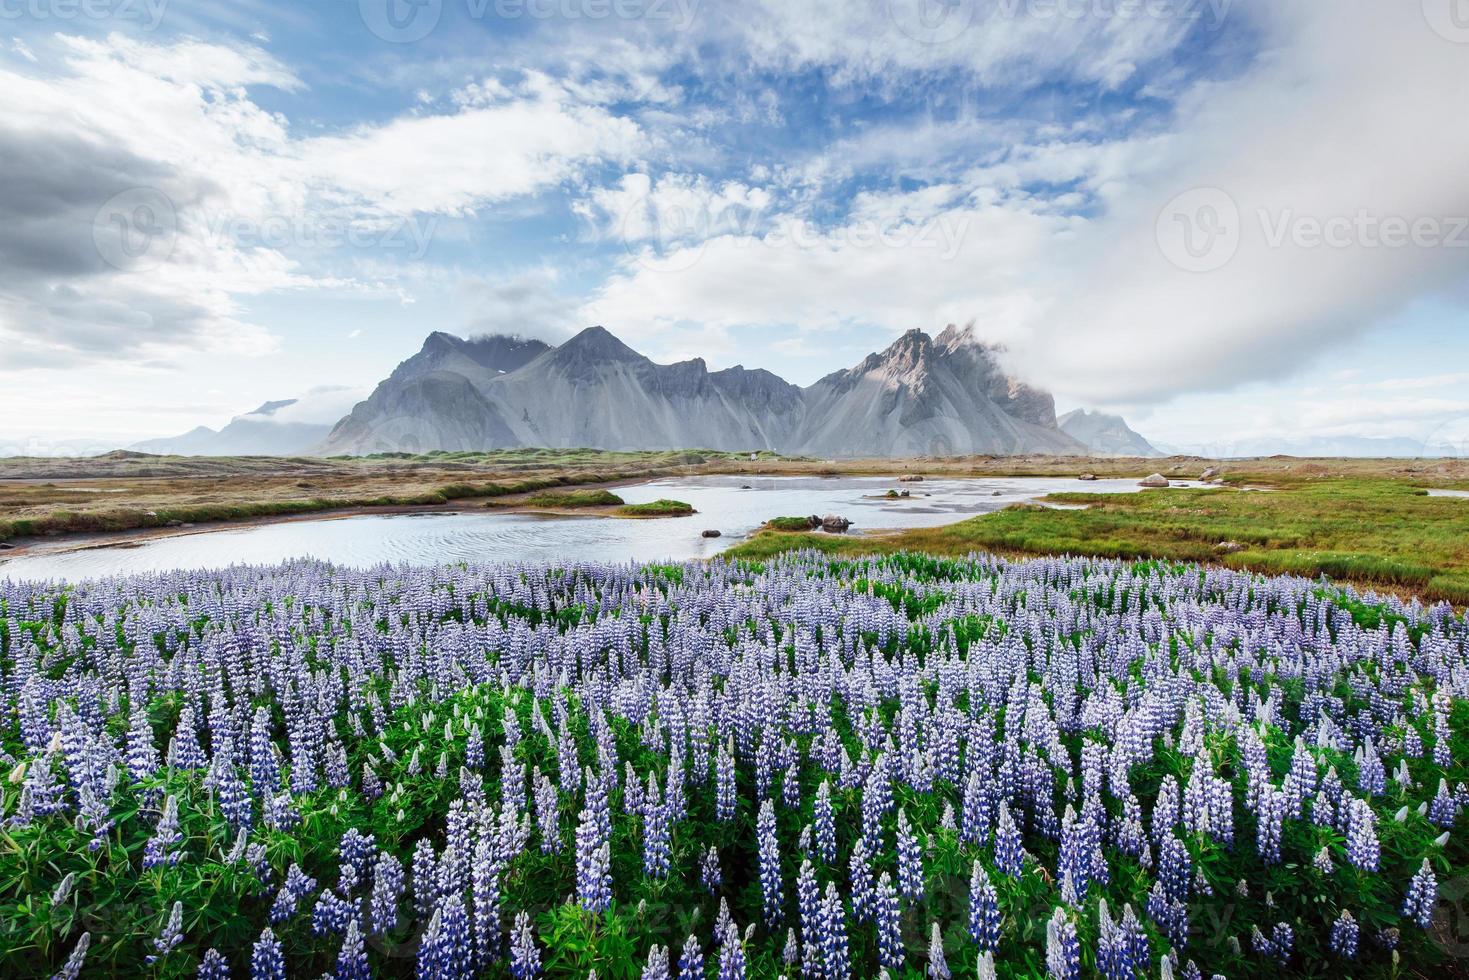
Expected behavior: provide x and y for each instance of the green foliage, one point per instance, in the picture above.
(576, 498)
(658, 508)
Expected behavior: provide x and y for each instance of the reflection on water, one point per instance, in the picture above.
(485, 536)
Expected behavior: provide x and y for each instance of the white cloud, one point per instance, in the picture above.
(235, 202)
(499, 144)
(1350, 109)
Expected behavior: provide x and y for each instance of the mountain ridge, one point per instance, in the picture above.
(920, 396)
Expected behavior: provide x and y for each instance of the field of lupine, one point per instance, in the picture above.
(810, 768)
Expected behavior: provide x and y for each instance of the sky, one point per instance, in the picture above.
(1238, 223)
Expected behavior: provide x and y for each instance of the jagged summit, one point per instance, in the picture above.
(919, 396)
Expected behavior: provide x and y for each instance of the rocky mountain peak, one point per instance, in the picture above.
(598, 343)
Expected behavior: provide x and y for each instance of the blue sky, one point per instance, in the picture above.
(784, 185)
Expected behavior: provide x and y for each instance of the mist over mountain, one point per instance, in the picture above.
(921, 396)
(1105, 435)
(257, 433)
(281, 427)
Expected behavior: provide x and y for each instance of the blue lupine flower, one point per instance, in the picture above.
(1344, 934)
(984, 909)
(1422, 896)
(525, 957)
(267, 961)
(889, 929)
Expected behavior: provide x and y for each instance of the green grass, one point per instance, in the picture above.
(576, 498)
(658, 508)
(789, 524)
(1375, 532)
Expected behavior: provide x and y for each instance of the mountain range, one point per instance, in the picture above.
(257, 433)
(935, 396)
(922, 396)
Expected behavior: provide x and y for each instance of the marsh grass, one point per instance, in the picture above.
(1370, 531)
(658, 508)
(576, 499)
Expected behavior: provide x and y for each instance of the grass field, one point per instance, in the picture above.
(1370, 531)
(575, 499)
(1362, 520)
(658, 508)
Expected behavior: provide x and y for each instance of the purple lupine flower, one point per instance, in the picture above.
(352, 958)
(975, 825)
(485, 891)
(1113, 953)
(1273, 807)
(1344, 934)
(160, 849)
(298, 885)
(593, 866)
(691, 960)
(525, 957)
(213, 966)
(387, 890)
(1422, 896)
(1363, 849)
(1444, 809)
(833, 944)
(709, 871)
(724, 784)
(425, 878)
(877, 801)
(825, 825)
(1009, 854)
(171, 936)
(548, 813)
(355, 853)
(1282, 942)
(910, 861)
(267, 961)
(769, 858)
(808, 902)
(657, 966)
(731, 956)
(861, 876)
(889, 930)
(1063, 948)
(938, 967)
(655, 832)
(984, 909)
(332, 915)
(72, 968)
(1139, 947)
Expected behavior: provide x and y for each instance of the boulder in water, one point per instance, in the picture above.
(1155, 482)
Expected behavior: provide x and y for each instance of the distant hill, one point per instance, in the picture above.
(919, 397)
(1105, 435)
(257, 433)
